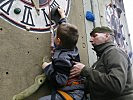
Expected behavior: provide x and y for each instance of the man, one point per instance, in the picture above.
(110, 78)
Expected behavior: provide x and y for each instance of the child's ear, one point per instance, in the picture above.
(58, 41)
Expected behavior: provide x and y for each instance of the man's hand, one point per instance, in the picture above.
(76, 70)
(45, 64)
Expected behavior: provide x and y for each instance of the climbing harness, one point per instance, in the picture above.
(65, 95)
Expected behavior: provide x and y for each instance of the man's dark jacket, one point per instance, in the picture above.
(110, 78)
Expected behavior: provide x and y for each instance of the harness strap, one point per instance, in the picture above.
(65, 95)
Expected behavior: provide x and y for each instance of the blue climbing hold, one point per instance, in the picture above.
(90, 16)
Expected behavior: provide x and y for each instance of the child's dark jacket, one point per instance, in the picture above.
(58, 72)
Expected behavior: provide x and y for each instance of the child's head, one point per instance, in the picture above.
(67, 36)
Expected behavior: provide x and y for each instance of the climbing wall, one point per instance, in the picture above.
(25, 41)
(116, 19)
(109, 13)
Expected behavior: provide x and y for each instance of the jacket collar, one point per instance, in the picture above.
(99, 49)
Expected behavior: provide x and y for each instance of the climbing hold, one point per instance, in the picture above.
(90, 16)
(17, 10)
(39, 80)
(55, 14)
(1, 28)
(27, 28)
(119, 11)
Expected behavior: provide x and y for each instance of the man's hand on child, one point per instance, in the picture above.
(45, 64)
(76, 69)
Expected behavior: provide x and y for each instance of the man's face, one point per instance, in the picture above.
(98, 38)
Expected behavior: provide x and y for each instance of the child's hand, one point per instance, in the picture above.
(61, 12)
(45, 64)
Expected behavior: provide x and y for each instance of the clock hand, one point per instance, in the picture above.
(36, 5)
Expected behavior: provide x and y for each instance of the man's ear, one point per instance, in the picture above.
(58, 41)
(107, 35)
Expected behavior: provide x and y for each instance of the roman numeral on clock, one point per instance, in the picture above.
(27, 16)
(54, 4)
(6, 6)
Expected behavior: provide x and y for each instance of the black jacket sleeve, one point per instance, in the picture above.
(62, 20)
(58, 71)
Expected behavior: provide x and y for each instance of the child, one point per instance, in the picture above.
(58, 71)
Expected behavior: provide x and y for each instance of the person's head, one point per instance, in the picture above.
(100, 35)
(67, 35)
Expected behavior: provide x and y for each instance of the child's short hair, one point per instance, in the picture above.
(68, 35)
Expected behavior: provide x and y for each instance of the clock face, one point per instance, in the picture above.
(41, 2)
(23, 13)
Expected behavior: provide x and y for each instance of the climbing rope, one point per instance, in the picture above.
(52, 34)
